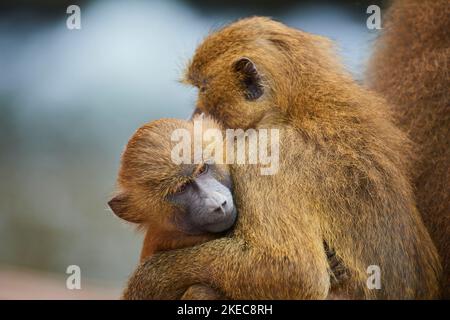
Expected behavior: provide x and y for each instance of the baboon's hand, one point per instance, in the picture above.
(168, 275)
(202, 292)
(153, 279)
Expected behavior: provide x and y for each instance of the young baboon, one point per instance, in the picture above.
(342, 183)
(410, 68)
(177, 205)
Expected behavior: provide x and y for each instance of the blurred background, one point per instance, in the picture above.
(69, 101)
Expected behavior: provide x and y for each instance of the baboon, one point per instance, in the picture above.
(410, 68)
(177, 205)
(342, 183)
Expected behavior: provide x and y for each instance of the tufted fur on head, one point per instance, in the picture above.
(148, 175)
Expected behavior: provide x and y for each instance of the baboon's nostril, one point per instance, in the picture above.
(224, 203)
(219, 210)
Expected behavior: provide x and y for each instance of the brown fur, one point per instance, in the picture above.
(342, 180)
(146, 176)
(410, 68)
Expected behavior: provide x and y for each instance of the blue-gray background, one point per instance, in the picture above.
(70, 99)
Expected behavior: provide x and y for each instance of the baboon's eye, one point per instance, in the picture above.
(203, 169)
(182, 187)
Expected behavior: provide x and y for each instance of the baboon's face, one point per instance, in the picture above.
(200, 201)
(204, 203)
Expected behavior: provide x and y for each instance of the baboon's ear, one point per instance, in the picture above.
(249, 78)
(120, 205)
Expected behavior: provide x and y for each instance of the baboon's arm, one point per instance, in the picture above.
(275, 251)
(238, 270)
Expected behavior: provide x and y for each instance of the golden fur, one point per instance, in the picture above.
(410, 68)
(343, 181)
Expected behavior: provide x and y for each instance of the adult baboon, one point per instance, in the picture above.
(410, 68)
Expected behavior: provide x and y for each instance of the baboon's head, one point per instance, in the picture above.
(258, 67)
(155, 190)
